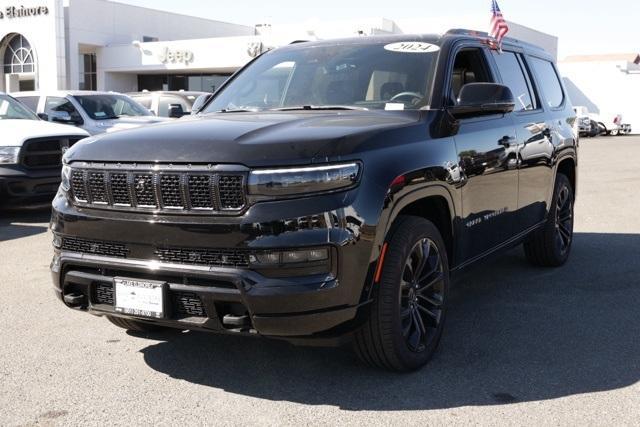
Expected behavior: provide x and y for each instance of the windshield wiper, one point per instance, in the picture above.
(321, 107)
(239, 110)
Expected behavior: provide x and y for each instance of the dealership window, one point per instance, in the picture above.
(88, 75)
(192, 82)
(19, 57)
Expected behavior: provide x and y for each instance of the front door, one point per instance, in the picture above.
(487, 155)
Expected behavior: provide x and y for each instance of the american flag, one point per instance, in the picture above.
(499, 27)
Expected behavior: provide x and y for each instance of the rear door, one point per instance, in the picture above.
(488, 159)
(535, 149)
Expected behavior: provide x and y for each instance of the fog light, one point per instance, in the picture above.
(289, 257)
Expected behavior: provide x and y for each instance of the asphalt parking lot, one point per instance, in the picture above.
(522, 345)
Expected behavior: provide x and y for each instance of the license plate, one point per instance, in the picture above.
(139, 298)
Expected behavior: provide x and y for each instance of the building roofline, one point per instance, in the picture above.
(633, 58)
(120, 3)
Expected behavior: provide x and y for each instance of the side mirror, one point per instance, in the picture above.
(478, 99)
(176, 111)
(200, 102)
(44, 116)
(60, 117)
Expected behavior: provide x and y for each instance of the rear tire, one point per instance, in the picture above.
(407, 315)
(133, 325)
(551, 245)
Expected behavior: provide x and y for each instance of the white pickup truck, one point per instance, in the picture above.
(592, 124)
(30, 154)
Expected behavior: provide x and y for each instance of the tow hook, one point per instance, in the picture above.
(75, 300)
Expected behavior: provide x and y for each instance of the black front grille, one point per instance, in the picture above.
(160, 189)
(103, 294)
(171, 191)
(201, 192)
(78, 185)
(231, 193)
(187, 304)
(94, 247)
(45, 152)
(120, 189)
(97, 187)
(145, 191)
(210, 257)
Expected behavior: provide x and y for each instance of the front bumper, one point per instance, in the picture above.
(19, 185)
(297, 305)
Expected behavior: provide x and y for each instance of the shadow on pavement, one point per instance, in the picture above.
(514, 334)
(18, 223)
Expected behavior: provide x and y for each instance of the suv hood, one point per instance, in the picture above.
(124, 123)
(252, 139)
(16, 132)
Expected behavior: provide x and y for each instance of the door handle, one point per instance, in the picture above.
(507, 141)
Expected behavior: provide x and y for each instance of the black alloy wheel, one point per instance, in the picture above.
(564, 219)
(421, 295)
(407, 314)
(550, 246)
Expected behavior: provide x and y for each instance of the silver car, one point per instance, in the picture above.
(95, 112)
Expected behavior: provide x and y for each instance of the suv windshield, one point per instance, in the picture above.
(347, 76)
(103, 107)
(10, 109)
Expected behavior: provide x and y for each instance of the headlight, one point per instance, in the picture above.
(65, 184)
(303, 180)
(9, 155)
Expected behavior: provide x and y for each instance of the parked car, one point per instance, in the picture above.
(592, 124)
(30, 153)
(618, 127)
(95, 112)
(325, 195)
(174, 104)
(586, 125)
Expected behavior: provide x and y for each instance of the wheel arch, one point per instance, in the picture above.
(567, 167)
(433, 203)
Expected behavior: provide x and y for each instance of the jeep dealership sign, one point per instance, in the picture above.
(13, 12)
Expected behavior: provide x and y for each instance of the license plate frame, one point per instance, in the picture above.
(140, 298)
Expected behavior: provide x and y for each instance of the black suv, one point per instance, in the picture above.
(325, 194)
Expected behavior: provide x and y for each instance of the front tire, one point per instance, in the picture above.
(408, 312)
(551, 245)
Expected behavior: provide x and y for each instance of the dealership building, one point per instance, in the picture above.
(106, 45)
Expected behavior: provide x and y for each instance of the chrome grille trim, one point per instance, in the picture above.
(160, 188)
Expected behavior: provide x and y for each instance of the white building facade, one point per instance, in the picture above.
(56, 44)
(105, 45)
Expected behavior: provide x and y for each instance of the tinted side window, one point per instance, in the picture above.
(470, 66)
(513, 76)
(548, 81)
(61, 104)
(30, 101)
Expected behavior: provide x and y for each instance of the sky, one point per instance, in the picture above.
(583, 26)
